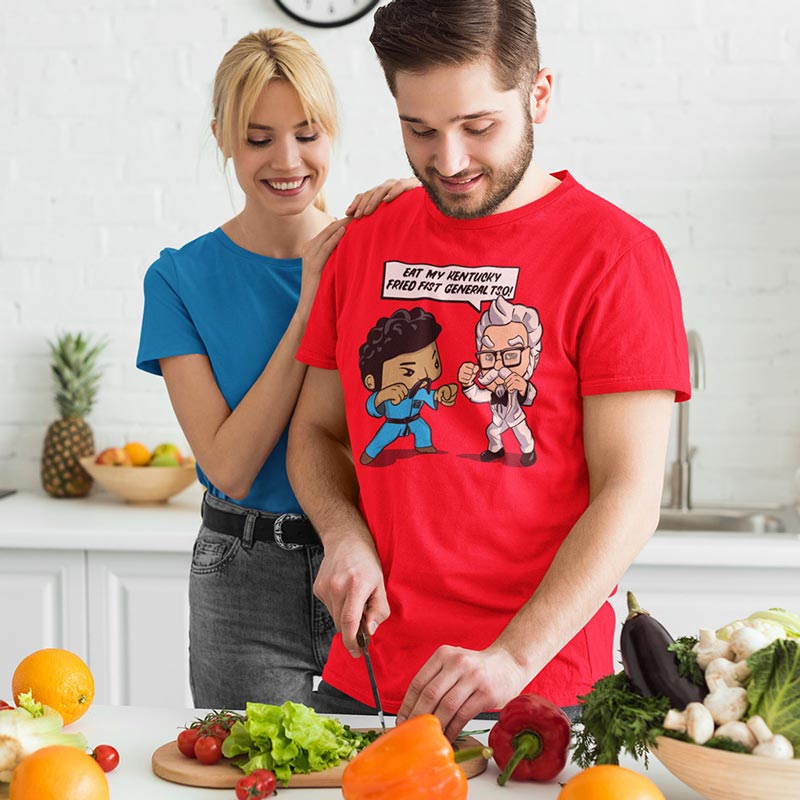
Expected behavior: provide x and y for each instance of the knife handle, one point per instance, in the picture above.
(362, 637)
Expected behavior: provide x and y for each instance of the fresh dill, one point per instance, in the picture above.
(616, 718)
(687, 659)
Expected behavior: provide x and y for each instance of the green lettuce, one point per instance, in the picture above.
(773, 690)
(291, 738)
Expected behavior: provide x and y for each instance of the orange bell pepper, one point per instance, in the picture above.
(413, 761)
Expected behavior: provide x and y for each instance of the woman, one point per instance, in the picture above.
(223, 318)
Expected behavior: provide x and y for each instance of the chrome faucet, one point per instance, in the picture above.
(681, 485)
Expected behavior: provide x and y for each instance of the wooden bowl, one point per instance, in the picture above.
(722, 775)
(141, 484)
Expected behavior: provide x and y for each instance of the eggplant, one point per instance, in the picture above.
(651, 668)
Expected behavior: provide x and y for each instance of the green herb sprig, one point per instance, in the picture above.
(687, 659)
(615, 719)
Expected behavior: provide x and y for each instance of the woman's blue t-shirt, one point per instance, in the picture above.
(219, 300)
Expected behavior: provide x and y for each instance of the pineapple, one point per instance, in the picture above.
(76, 376)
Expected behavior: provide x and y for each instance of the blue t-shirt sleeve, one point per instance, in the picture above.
(167, 326)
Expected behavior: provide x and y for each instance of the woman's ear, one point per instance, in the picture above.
(214, 130)
(541, 92)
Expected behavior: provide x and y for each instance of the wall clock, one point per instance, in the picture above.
(326, 13)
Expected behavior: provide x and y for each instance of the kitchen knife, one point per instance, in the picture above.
(362, 638)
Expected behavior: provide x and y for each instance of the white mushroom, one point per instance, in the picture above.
(746, 640)
(739, 732)
(732, 673)
(709, 647)
(726, 703)
(769, 744)
(695, 720)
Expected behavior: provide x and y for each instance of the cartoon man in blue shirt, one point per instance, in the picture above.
(399, 362)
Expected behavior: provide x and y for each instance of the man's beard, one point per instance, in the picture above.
(422, 383)
(501, 182)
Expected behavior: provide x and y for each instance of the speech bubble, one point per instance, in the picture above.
(448, 284)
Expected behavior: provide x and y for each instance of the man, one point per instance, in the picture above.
(479, 579)
(399, 362)
(511, 336)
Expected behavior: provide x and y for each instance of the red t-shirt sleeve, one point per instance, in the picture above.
(318, 346)
(632, 336)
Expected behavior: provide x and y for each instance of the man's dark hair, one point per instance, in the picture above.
(417, 35)
(404, 332)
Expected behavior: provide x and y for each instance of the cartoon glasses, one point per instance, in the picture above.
(511, 357)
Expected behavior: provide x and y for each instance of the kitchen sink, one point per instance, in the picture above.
(731, 520)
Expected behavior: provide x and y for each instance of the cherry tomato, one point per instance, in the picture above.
(246, 788)
(106, 756)
(265, 782)
(186, 741)
(208, 749)
(5, 706)
(220, 731)
(257, 785)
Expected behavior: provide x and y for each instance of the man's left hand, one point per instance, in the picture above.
(446, 395)
(516, 383)
(456, 684)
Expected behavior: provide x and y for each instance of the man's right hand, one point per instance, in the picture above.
(466, 374)
(350, 583)
(394, 394)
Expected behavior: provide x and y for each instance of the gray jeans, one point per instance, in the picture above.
(256, 631)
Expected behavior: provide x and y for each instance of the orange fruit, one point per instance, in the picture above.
(58, 772)
(57, 678)
(138, 454)
(609, 782)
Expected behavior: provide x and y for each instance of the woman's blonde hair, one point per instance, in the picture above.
(254, 61)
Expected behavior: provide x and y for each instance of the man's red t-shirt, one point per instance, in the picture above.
(464, 541)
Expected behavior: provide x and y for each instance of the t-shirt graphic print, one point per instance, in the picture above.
(399, 362)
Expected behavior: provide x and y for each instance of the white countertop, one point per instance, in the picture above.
(137, 732)
(101, 521)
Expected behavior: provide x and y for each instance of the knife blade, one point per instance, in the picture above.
(362, 638)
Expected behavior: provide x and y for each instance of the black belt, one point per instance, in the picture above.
(289, 531)
(403, 421)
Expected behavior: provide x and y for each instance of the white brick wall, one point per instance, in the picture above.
(687, 115)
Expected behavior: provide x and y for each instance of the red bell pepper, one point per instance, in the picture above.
(530, 739)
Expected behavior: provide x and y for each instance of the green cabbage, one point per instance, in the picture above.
(790, 622)
(28, 728)
(774, 622)
(291, 738)
(773, 690)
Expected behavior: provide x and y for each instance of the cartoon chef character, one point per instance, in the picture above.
(509, 341)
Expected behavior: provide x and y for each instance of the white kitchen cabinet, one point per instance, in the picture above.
(42, 603)
(685, 598)
(106, 580)
(139, 627)
(125, 613)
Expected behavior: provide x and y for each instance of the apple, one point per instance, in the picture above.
(169, 450)
(113, 456)
(164, 460)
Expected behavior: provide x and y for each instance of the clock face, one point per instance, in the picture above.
(326, 13)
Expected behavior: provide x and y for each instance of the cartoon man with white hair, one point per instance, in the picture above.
(509, 340)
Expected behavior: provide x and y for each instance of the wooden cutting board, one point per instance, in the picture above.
(171, 765)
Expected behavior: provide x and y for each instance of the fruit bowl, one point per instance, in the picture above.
(141, 484)
(723, 775)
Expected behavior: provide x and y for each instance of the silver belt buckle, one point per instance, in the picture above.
(277, 528)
